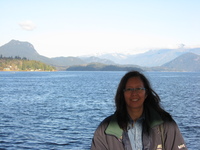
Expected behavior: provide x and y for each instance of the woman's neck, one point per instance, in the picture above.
(135, 114)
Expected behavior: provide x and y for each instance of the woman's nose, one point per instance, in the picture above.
(134, 92)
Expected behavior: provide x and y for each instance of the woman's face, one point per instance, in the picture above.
(134, 94)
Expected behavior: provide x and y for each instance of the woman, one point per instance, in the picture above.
(139, 122)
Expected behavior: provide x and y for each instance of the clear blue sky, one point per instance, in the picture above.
(82, 27)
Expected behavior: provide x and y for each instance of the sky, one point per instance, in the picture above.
(88, 27)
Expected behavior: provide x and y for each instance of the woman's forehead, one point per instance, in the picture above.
(134, 81)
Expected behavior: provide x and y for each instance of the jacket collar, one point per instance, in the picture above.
(114, 129)
(154, 117)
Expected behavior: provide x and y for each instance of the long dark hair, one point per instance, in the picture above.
(152, 100)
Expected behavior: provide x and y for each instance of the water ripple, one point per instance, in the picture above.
(61, 110)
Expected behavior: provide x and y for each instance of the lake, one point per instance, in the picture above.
(61, 110)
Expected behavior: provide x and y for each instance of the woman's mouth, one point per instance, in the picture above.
(134, 100)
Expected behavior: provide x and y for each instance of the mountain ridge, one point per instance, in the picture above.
(150, 60)
(189, 62)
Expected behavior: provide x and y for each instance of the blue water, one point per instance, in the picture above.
(61, 110)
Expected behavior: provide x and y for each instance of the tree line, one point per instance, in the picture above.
(11, 57)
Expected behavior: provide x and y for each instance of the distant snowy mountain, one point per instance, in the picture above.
(115, 57)
(93, 59)
(149, 58)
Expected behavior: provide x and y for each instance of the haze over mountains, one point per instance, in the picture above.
(164, 59)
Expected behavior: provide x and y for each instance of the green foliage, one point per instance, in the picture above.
(102, 67)
(22, 64)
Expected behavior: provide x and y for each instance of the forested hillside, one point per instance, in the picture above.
(22, 64)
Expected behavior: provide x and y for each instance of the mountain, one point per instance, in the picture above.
(17, 48)
(25, 49)
(22, 49)
(185, 62)
(150, 58)
(67, 61)
(116, 57)
(93, 59)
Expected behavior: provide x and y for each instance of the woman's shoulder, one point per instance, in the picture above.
(109, 126)
(170, 124)
(105, 122)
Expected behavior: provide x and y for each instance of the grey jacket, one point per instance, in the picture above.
(109, 136)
